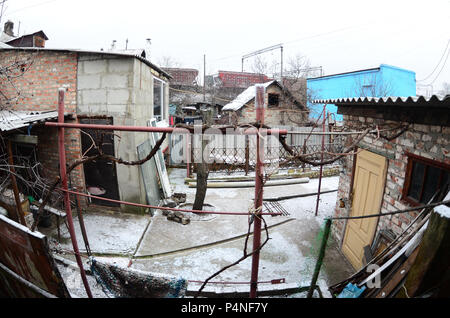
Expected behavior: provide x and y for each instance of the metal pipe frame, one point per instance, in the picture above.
(258, 183)
(248, 131)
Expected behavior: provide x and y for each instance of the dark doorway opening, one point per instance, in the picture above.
(100, 175)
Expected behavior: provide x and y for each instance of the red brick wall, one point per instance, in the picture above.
(45, 72)
(239, 79)
(185, 77)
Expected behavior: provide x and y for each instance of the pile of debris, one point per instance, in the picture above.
(176, 216)
(412, 265)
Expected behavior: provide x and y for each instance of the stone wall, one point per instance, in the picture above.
(286, 113)
(428, 141)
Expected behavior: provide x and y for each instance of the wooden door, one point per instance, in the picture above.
(368, 189)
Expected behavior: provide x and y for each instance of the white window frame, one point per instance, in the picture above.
(162, 107)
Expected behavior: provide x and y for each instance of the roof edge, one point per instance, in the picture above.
(142, 59)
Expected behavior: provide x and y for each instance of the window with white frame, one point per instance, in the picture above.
(159, 111)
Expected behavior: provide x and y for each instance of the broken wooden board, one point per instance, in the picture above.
(398, 276)
(27, 270)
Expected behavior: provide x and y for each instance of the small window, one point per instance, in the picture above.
(158, 99)
(424, 177)
(274, 99)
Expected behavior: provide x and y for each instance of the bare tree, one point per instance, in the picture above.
(445, 89)
(371, 86)
(168, 62)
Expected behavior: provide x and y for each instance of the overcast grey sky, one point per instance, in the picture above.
(340, 36)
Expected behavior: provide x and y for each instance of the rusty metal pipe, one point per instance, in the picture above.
(159, 207)
(63, 173)
(249, 131)
(321, 159)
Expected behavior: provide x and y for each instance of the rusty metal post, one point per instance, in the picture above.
(321, 159)
(259, 105)
(81, 221)
(63, 173)
(19, 211)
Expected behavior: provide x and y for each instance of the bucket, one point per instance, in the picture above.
(45, 218)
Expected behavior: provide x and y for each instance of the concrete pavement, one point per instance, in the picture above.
(197, 250)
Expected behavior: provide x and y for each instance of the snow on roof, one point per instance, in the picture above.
(10, 120)
(443, 210)
(6, 37)
(244, 97)
(4, 45)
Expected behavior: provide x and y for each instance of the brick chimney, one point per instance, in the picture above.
(8, 29)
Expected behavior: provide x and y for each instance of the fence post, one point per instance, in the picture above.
(259, 98)
(321, 159)
(247, 155)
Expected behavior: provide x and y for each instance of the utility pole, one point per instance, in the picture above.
(1, 9)
(281, 68)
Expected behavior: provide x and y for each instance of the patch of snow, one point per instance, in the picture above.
(108, 233)
(443, 210)
(244, 97)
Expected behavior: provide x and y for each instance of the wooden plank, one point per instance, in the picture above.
(24, 139)
(399, 275)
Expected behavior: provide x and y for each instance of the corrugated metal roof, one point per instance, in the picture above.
(432, 101)
(10, 120)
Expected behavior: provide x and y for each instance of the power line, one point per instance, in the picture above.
(443, 65)
(440, 60)
(32, 6)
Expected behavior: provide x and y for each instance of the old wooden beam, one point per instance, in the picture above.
(20, 214)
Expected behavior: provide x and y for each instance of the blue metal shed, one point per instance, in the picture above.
(382, 81)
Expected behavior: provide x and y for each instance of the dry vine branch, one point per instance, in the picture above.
(100, 155)
(244, 256)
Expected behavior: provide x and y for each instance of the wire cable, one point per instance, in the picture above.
(440, 60)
